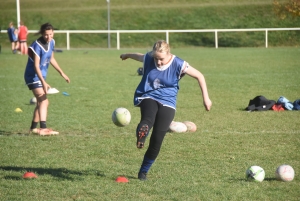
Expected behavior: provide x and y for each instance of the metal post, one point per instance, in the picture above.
(68, 40)
(216, 39)
(118, 40)
(167, 37)
(18, 13)
(108, 23)
(266, 38)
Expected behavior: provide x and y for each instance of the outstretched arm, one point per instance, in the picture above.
(202, 83)
(134, 56)
(59, 70)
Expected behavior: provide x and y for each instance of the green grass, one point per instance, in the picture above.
(84, 160)
(154, 15)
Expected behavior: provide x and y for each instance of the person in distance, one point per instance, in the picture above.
(22, 36)
(13, 37)
(156, 96)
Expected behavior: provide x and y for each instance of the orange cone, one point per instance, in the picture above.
(29, 175)
(121, 179)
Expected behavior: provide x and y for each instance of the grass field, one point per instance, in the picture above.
(154, 15)
(90, 152)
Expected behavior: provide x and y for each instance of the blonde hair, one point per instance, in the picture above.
(160, 46)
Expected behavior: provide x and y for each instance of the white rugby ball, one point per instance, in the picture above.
(285, 173)
(191, 127)
(33, 101)
(121, 117)
(177, 127)
(255, 173)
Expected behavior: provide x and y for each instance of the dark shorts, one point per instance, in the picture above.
(35, 85)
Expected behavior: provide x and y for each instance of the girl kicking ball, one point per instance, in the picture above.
(156, 96)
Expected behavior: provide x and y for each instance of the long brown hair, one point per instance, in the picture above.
(44, 28)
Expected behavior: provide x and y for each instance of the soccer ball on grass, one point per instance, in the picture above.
(285, 173)
(255, 173)
(121, 117)
(32, 101)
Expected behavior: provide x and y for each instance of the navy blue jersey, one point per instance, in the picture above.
(11, 34)
(43, 50)
(160, 84)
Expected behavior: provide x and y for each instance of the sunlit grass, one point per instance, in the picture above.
(90, 152)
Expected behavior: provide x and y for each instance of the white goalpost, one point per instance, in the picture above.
(18, 12)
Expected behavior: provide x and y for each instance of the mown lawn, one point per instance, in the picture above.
(83, 162)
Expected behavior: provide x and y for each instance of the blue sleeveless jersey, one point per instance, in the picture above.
(160, 84)
(11, 34)
(38, 50)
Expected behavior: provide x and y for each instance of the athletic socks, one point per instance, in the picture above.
(33, 125)
(147, 163)
(43, 124)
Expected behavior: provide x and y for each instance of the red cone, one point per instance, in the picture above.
(121, 179)
(29, 175)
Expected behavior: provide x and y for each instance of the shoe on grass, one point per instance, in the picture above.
(34, 131)
(47, 132)
(142, 176)
(141, 135)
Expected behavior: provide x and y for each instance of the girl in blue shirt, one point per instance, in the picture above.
(13, 37)
(40, 55)
(156, 96)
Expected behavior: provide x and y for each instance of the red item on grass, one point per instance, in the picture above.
(29, 175)
(121, 179)
(277, 107)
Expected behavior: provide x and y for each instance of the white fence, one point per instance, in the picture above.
(215, 31)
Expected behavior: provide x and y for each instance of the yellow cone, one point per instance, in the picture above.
(18, 110)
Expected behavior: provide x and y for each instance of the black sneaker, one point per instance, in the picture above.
(142, 176)
(141, 135)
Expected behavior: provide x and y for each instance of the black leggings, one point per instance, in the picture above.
(155, 115)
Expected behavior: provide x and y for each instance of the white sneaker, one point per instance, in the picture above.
(47, 132)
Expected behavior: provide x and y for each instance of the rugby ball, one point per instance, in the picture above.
(191, 127)
(285, 173)
(121, 117)
(33, 101)
(177, 127)
(255, 173)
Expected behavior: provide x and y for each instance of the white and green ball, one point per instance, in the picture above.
(255, 173)
(285, 173)
(121, 117)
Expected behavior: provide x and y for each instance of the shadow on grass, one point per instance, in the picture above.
(5, 132)
(270, 179)
(265, 179)
(243, 109)
(60, 173)
(12, 178)
(11, 133)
